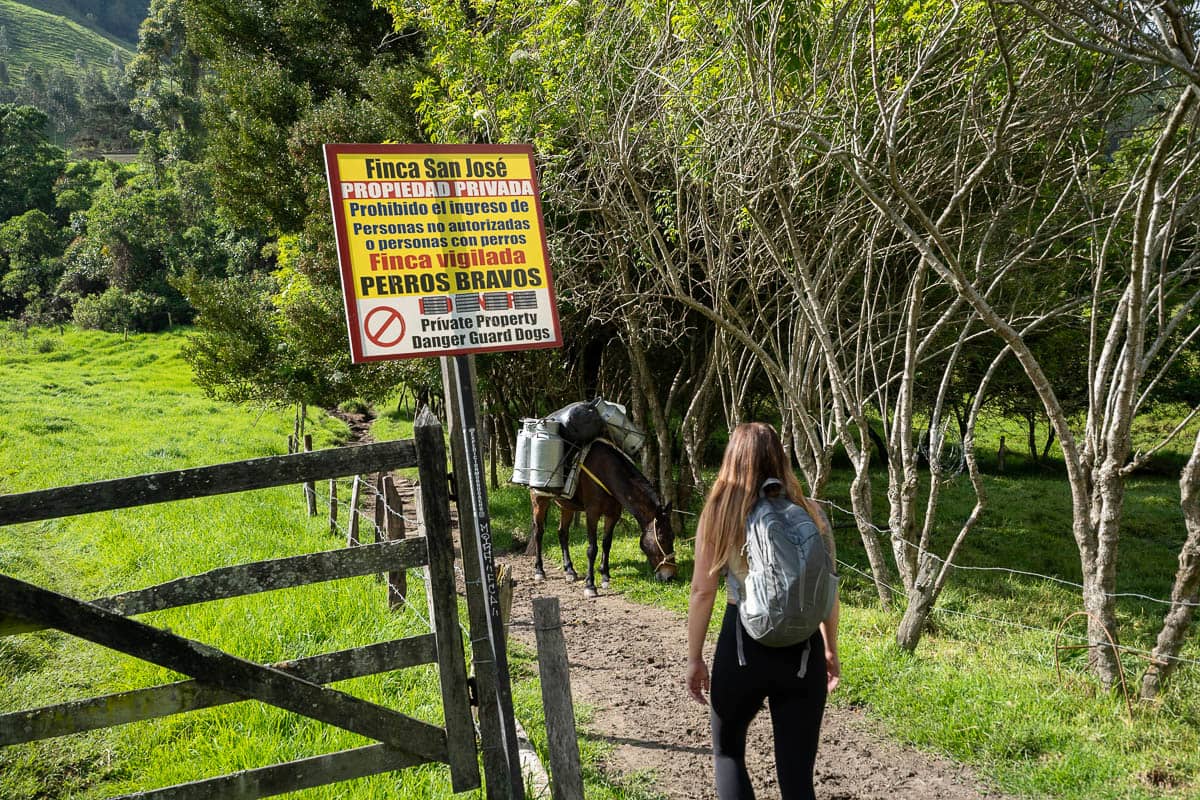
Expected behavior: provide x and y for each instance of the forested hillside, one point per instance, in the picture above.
(118, 19)
(71, 73)
(45, 41)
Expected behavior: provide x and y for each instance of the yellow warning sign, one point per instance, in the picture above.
(442, 249)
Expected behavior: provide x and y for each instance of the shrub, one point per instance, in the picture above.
(355, 406)
(116, 311)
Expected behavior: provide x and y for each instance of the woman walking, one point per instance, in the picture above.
(794, 680)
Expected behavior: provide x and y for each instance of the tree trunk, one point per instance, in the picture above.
(638, 404)
(928, 585)
(1185, 594)
(493, 440)
(694, 432)
(860, 500)
(880, 446)
(921, 598)
(1100, 572)
(961, 419)
(1049, 443)
(1031, 440)
(644, 376)
(507, 427)
(903, 478)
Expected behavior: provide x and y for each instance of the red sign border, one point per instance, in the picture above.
(349, 294)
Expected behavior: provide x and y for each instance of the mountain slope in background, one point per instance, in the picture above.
(116, 19)
(36, 38)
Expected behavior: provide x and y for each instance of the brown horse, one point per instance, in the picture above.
(608, 483)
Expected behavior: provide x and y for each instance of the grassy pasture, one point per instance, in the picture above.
(982, 686)
(90, 406)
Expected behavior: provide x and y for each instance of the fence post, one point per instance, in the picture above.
(504, 579)
(555, 673)
(443, 601)
(352, 523)
(397, 582)
(310, 488)
(333, 507)
(380, 508)
(380, 513)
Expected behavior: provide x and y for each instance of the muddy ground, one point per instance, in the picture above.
(627, 663)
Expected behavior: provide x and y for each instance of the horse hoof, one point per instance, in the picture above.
(571, 577)
(539, 576)
(604, 583)
(590, 592)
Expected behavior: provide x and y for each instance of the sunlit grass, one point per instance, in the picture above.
(80, 407)
(982, 686)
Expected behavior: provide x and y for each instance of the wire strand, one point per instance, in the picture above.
(1024, 626)
(1026, 573)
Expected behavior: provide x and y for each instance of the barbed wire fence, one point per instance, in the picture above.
(379, 507)
(1053, 634)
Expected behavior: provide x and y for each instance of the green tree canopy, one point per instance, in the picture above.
(29, 163)
(31, 247)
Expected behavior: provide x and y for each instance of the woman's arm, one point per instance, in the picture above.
(700, 606)
(829, 629)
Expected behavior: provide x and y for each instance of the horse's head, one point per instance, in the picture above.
(658, 543)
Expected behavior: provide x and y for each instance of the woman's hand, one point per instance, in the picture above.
(833, 670)
(697, 680)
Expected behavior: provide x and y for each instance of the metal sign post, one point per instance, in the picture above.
(496, 720)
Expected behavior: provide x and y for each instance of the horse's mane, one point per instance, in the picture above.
(632, 471)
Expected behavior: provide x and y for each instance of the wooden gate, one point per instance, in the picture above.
(218, 677)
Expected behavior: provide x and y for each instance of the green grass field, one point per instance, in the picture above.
(982, 686)
(91, 406)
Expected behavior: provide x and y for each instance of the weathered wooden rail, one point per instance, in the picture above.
(219, 678)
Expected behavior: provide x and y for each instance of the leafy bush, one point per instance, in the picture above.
(31, 247)
(355, 406)
(116, 311)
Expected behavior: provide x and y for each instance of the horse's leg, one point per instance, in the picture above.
(535, 537)
(610, 522)
(589, 586)
(564, 531)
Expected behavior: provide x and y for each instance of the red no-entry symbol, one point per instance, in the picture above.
(384, 326)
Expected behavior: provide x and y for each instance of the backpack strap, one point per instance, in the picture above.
(804, 659)
(740, 648)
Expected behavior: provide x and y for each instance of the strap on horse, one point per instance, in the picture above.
(582, 453)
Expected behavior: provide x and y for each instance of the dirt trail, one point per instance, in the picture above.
(627, 664)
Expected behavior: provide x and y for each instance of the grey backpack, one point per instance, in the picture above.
(792, 583)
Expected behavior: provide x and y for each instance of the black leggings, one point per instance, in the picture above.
(797, 705)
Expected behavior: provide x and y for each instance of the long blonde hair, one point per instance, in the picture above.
(753, 455)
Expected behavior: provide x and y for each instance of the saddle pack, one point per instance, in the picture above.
(549, 450)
